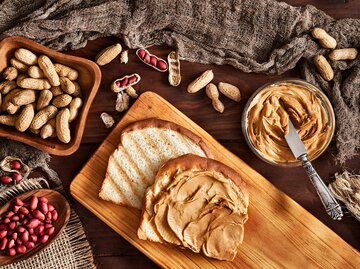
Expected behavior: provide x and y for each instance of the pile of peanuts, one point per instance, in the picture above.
(39, 95)
(14, 176)
(26, 224)
(328, 42)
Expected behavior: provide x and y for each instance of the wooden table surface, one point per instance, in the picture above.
(110, 249)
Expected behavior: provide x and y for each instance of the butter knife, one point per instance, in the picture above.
(297, 147)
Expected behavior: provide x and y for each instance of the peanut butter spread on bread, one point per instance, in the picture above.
(200, 209)
(267, 121)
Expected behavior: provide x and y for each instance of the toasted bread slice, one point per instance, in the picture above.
(145, 145)
(166, 230)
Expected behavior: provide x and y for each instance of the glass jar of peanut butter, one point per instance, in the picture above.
(266, 114)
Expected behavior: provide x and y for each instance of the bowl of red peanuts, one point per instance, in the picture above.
(30, 222)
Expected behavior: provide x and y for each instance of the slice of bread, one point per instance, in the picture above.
(169, 232)
(145, 145)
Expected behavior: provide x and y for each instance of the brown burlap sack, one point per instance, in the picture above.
(252, 35)
(70, 250)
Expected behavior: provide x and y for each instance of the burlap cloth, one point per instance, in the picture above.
(70, 250)
(252, 35)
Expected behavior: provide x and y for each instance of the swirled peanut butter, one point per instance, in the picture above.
(267, 121)
(204, 211)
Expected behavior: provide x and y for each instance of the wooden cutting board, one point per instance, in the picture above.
(279, 233)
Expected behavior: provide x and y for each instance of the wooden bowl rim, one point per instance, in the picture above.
(91, 66)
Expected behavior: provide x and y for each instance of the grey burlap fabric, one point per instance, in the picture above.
(252, 35)
(70, 250)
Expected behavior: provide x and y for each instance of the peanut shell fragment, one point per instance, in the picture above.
(131, 92)
(174, 69)
(107, 119)
(124, 58)
(122, 101)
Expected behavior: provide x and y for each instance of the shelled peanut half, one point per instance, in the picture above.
(39, 96)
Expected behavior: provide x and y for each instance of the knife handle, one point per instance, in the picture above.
(332, 207)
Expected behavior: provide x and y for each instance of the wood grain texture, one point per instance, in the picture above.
(279, 233)
(61, 205)
(89, 80)
(113, 251)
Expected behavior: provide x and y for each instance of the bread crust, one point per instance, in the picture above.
(163, 124)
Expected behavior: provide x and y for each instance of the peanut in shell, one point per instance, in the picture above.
(66, 71)
(67, 85)
(62, 125)
(26, 56)
(43, 116)
(62, 100)
(24, 97)
(25, 118)
(10, 73)
(48, 68)
(230, 91)
(8, 120)
(204, 79)
(108, 54)
(21, 67)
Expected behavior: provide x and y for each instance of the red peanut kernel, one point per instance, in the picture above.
(6, 179)
(141, 53)
(15, 165)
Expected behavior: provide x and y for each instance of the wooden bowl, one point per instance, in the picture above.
(89, 80)
(63, 209)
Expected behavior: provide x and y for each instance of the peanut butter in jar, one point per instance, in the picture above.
(265, 120)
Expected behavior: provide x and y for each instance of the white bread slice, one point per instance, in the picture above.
(145, 145)
(148, 229)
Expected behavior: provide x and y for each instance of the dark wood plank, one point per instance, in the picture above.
(112, 251)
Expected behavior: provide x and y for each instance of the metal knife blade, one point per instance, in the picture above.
(297, 147)
(295, 144)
